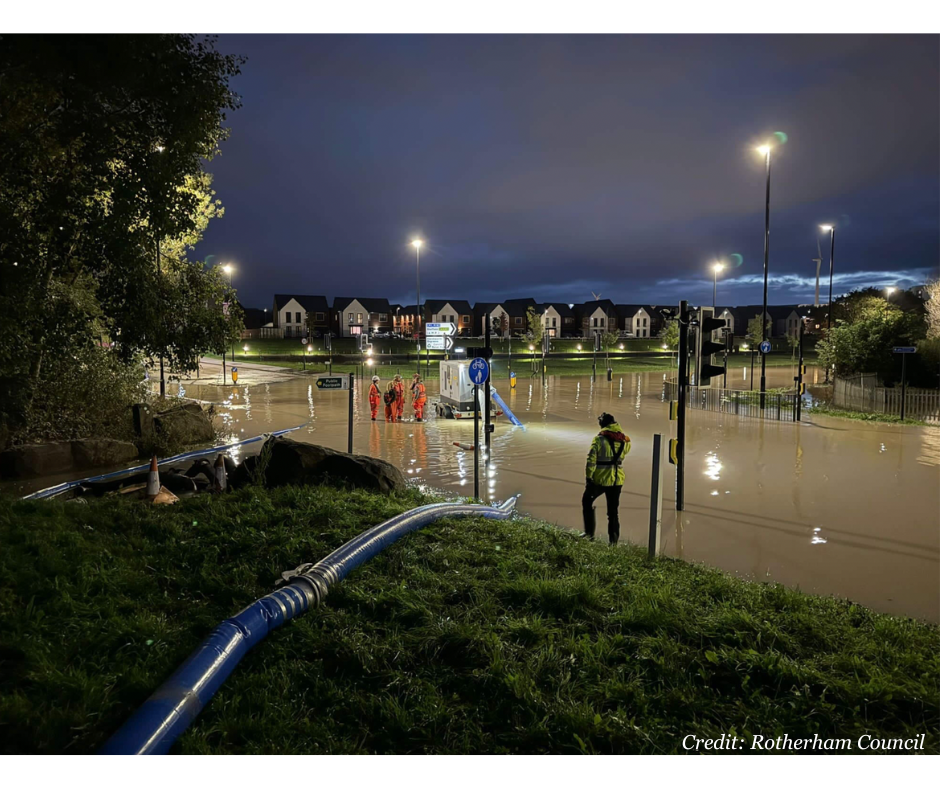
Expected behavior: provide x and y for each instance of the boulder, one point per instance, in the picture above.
(96, 452)
(185, 424)
(44, 459)
(292, 462)
(37, 459)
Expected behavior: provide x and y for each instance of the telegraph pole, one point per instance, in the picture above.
(684, 320)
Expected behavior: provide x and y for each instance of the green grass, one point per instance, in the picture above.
(470, 636)
(823, 409)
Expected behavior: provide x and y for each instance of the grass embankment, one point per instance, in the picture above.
(522, 366)
(823, 409)
(470, 636)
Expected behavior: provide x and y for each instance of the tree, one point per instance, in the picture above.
(754, 335)
(864, 344)
(608, 340)
(932, 306)
(670, 334)
(535, 333)
(103, 140)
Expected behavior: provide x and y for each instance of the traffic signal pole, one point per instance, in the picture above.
(684, 319)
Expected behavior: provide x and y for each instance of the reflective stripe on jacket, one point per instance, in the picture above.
(605, 458)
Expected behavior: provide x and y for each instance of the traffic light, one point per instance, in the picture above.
(705, 348)
(674, 451)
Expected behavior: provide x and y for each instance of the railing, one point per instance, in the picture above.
(777, 406)
(862, 395)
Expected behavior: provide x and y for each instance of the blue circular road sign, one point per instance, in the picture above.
(479, 371)
(765, 346)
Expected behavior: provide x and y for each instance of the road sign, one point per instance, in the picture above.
(334, 382)
(441, 330)
(905, 350)
(434, 342)
(765, 347)
(479, 371)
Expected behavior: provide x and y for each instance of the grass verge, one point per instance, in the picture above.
(470, 636)
(823, 409)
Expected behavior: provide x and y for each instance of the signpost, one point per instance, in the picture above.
(765, 346)
(904, 351)
(439, 343)
(479, 371)
(340, 383)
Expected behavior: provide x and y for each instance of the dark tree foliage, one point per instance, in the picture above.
(103, 141)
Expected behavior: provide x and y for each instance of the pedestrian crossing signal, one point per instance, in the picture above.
(673, 410)
(674, 451)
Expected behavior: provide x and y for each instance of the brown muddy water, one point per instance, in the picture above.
(830, 506)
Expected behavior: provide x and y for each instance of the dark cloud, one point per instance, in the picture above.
(552, 166)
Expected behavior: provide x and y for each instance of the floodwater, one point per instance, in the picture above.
(831, 506)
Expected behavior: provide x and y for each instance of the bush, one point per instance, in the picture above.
(86, 392)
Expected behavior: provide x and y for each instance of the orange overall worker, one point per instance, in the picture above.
(399, 397)
(374, 396)
(419, 398)
(391, 402)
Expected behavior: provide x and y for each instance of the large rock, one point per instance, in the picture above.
(185, 424)
(95, 452)
(44, 459)
(292, 462)
(37, 459)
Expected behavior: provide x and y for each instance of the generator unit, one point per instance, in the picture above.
(456, 400)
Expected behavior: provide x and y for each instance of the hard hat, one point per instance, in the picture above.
(375, 378)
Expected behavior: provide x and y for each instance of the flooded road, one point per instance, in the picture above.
(832, 507)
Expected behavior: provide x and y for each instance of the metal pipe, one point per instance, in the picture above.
(763, 319)
(167, 713)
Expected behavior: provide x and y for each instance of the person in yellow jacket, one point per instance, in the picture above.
(604, 476)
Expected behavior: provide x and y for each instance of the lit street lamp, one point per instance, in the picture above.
(831, 229)
(888, 293)
(764, 150)
(416, 243)
(717, 268)
(230, 270)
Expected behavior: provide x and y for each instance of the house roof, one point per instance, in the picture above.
(519, 307)
(369, 304)
(590, 307)
(254, 318)
(626, 311)
(563, 310)
(433, 306)
(311, 303)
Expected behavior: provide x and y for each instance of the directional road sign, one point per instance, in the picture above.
(905, 350)
(479, 371)
(765, 346)
(441, 329)
(434, 342)
(333, 382)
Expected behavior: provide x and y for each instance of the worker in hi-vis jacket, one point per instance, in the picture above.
(604, 475)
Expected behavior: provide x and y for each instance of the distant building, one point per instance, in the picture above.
(557, 319)
(596, 317)
(460, 313)
(300, 315)
(354, 316)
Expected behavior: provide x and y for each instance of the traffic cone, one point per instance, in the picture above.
(153, 479)
(220, 478)
(465, 446)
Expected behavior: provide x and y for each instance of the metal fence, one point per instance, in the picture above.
(861, 394)
(777, 406)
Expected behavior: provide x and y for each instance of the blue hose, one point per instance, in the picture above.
(167, 713)
(499, 401)
(58, 489)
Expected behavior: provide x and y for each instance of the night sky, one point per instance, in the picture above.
(555, 166)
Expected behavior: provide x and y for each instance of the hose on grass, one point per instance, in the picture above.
(163, 717)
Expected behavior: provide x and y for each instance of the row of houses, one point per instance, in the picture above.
(297, 316)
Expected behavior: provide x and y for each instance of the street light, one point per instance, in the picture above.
(230, 270)
(417, 243)
(717, 268)
(888, 292)
(831, 229)
(764, 150)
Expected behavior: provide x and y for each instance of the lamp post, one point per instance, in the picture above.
(416, 243)
(230, 270)
(717, 268)
(764, 150)
(888, 292)
(831, 229)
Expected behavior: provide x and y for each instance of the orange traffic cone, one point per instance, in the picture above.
(153, 479)
(220, 478)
